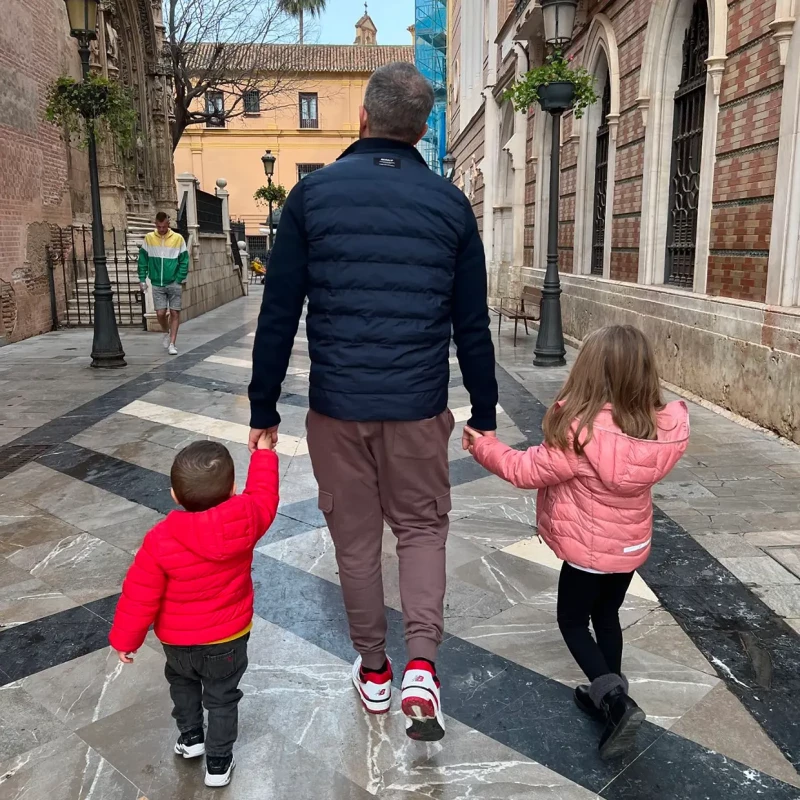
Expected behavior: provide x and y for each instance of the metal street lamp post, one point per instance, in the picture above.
(559, 19)
(107, 352)
(268, 160)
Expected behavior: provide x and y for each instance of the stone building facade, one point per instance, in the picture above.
(679, 190)
(44, 184)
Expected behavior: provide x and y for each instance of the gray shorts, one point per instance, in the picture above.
(167, 297)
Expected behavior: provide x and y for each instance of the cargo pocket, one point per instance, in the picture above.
(219, 667)
(325, 502)
(444, 505)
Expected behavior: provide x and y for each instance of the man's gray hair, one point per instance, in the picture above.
(398, 102)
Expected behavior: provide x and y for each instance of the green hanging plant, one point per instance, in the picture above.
(71, 104)
(525, 92)
(274, 192)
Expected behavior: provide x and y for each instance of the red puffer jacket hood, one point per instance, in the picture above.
(191, 577)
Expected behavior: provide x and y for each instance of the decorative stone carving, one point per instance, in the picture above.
(112, 47)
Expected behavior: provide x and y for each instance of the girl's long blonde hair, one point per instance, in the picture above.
(615, 365)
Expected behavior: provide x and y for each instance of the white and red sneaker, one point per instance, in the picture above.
(374, 688)
(422, 702)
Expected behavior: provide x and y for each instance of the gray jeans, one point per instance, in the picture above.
(208, 675)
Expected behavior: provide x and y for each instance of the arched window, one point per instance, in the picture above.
(687, 148)
(601, 184)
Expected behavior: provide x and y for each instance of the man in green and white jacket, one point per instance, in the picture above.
(164, 259)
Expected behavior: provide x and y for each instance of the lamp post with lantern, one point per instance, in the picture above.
(268, 160)
(449, 166)
(556, 98)
(107, 350)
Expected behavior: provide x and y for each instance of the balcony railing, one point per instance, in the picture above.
(309, 123)
(520, 6)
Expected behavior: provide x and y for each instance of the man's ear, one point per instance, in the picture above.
(363, 122)
(424, 131)
(174, 496)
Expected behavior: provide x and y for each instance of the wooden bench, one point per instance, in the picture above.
(526, 308)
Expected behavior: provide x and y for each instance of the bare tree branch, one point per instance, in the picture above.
(223, 46)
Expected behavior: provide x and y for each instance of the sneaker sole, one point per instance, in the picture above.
(422, 722)
(194, 751)
(218, 781)
(623, 739)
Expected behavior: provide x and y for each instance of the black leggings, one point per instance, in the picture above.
(584, 595)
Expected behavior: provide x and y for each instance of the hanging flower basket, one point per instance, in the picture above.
(556, 86)
(96, 102)
(557, 96)
(274, 192)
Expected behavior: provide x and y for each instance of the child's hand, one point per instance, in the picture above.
(470, 437)
(126, 658)
(267, 441)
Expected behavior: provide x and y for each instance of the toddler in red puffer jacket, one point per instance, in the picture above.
(608, 439)
(191, 578)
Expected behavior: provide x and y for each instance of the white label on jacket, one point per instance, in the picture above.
(635, 547)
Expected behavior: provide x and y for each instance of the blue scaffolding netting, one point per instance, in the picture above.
(430, 55)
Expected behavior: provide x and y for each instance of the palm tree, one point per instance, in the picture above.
(297, 8)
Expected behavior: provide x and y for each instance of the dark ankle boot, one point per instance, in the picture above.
(585, 703)
(624, 718)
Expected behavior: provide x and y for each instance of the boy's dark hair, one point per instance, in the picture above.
(162, 216)
(202, 475)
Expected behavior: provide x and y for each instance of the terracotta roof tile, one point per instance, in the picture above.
(311, 57)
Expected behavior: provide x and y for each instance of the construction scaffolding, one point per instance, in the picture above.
(430, 54)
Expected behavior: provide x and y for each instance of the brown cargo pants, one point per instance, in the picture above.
(369, 472)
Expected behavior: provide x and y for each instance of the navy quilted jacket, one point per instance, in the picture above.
(389, 256)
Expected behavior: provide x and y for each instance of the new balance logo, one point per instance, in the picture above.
(420, 678)
(382, 692)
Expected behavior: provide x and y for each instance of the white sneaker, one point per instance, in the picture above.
(422, 705)
(219, 770)
(165, 341)
(374, 688)
(172, 350)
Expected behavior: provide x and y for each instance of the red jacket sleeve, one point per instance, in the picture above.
(534, 468)
(139, 604)
(262, 492)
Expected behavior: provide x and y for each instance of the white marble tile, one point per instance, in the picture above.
(208, 426)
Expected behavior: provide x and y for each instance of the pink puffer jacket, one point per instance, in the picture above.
(596, 510)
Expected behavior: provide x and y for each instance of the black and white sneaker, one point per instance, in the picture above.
(191, 744)
(219, 770)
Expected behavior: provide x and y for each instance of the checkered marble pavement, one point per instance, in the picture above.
(711, 651)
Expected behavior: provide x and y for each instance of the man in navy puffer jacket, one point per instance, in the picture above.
(389, 256)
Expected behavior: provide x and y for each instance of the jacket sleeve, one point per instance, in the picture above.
(262, 491)
(534, 468)
(183, 263)
(143, 262)
(140, 602)
(471, 326)
(281, 307)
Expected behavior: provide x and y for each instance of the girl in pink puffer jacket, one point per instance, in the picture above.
(608, 439)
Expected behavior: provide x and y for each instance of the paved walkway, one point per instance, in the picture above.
(713, 651)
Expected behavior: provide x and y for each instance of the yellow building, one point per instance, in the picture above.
(316, 119)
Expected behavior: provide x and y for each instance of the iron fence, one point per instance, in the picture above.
(209, 213)
(71, 278)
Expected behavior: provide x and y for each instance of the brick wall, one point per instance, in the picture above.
(41, 180)
(747, 152)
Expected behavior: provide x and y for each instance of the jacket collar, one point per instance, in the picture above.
(375, 145)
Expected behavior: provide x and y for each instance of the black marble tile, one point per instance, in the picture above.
(677, 768)
(49, 641)
(284, 528)
(466, 470)
(105, 607)
(306, 511)
(134, 483)
(200, 382)
(12, 457)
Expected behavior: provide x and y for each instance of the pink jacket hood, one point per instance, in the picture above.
(626, 465)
